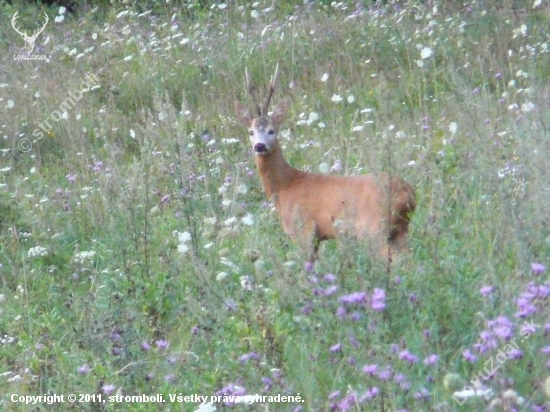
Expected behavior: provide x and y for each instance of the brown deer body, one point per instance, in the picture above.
(315, 207)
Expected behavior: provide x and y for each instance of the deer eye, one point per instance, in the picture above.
(251, 133)
(271, 132)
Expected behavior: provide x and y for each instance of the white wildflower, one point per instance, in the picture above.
(527, 107)
(206, 407)
(426, 52)
(59, 19)
(10, 104)
(523, 29)
(312, 118)
(221, 276)
(453, 127)
(82, 257)
(325, 77)
(37, 251)
(247, 220)
(230, 221)
(336, 98)
(184, 237)
(351, 98)
(246, 282)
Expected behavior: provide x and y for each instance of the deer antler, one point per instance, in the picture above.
(272, 84)
(13, 20)
(252, 91)
(37, 32)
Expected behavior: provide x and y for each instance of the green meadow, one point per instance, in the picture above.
(140, 256)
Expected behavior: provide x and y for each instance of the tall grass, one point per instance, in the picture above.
(140, 256)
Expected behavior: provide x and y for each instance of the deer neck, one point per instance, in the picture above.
(275, 173)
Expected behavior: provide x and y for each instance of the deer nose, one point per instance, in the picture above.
(260, 148)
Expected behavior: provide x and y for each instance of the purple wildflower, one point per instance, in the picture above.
(370, 369)
(84, 369)
(379, 294)
(341, 312)
(538, 268)
(422, 395)
(336, 348)
(145, 346)
(431, 359)
(330, 278)
(408, 356)
(162, 344)
(515, 354)
(354, 298)
(486, 290)
(502, 327)
(378, 305)
(333, 395)
(267, 382)
(469, 356)
(384, 374)
(308, 266)
(355, 316)
(330, 290)
(107, 389)
(247, 356)
(347, 403)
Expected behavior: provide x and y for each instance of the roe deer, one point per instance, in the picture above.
(315, 207)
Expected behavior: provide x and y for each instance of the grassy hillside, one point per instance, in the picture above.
(138, 252)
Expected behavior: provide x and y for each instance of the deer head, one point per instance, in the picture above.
(263, 128)
(29, 40)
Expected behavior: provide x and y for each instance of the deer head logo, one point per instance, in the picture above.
(29, 40)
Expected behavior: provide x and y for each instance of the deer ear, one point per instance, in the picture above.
(243, 115)
(279, 112)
